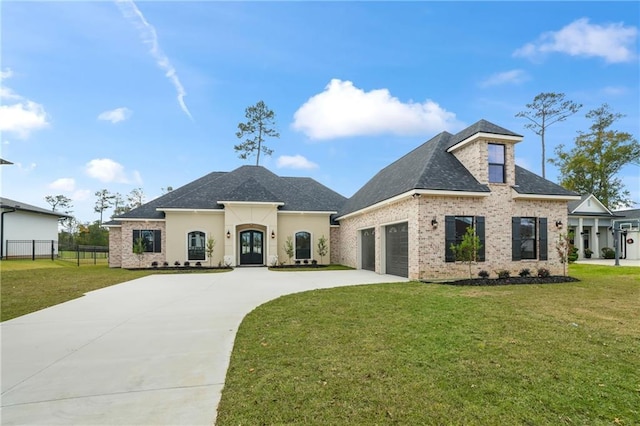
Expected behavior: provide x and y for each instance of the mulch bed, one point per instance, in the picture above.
(554, 279)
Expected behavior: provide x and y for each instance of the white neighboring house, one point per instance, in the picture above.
(24, 222)
(629, 226)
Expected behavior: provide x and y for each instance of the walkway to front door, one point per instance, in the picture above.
(251, 247)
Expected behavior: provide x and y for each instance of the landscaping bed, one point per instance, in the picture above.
(553, 279)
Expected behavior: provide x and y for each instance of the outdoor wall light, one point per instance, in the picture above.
(598, 234)
(434, 222)
(228, 234)
(559, 224)
(273, 234)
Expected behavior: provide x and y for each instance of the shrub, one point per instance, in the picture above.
(154, 264)
(176, 263)
(297, 262)
(503, 274)
(525, 272)
(198, 264)
(608, 253)
(483, 274)
(543, 273)
(165, 264)
(573, 255)
(314, 262)
(187, 263)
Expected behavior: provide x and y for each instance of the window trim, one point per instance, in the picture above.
(156, 242)
(501, 165)
(295, 244)
(541, 249)
(478, 224)
(204, 247)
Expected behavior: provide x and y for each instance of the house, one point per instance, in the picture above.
(27, 230)
(402, 222)
(591, 223)
(628, 222)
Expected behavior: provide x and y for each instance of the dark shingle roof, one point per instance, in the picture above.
(12, 204)
(628, 214)
(530, 183)
(429, 166)
(482, 126)
(246, 183)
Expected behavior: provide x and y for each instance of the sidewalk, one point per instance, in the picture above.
(611, 262)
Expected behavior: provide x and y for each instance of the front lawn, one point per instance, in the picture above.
(28, 286)
(411, 353)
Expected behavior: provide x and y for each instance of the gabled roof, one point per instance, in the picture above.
(7, 203)
(245, 184)
(531, 183)
(429, 166)
(575, 207)
(482, 126)
(628, 214)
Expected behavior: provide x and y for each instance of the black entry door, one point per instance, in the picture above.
(251, 248)
(368, 245)
(397, 246)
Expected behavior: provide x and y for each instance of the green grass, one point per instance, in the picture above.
(411, 353)
(27, 286)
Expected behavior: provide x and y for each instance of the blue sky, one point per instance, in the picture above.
(121, 95)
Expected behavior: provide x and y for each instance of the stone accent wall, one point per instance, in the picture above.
(427, 244)
(115, 247)
(129, 258)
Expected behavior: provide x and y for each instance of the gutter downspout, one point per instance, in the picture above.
(13, 209)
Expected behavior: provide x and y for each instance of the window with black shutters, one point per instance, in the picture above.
(529, 238)
(456, 227)
(150, 238)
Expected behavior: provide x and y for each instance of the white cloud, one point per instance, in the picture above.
(295, 162)
(107, 170)
(116, 115)
(20, 116)
(149, 36)
(27, 168)
(614, 90)
(344, 110)
(613, 42)
(81, 195)
(63, 184)
(507, 77)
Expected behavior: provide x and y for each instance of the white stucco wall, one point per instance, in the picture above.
(24, 225)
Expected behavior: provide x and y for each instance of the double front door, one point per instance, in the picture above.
(251, 247)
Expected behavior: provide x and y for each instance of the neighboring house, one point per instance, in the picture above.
(591, 222)
(628, 221)
(402, 222)
(23, 222)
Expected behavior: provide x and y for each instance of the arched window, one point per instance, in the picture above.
(195, 245)
(303, 245)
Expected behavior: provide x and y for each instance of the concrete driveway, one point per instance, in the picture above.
(146, 352)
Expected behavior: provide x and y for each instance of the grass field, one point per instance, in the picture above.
(27, 286)
(561, 354)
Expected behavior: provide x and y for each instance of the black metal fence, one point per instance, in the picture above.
(48, 249)
(31, 249)
(84, 254)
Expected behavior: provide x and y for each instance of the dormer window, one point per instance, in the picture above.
(496, 163)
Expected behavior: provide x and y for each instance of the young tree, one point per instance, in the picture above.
(104, 201)
(467, 250)
(288, 247)
(590, 167)
(563, 247)
(260, 125)
(322, 248)
(545, 110)
(211, 245)
(138, 249)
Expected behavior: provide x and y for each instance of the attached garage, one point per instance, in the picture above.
(368, 249)
(397, 249)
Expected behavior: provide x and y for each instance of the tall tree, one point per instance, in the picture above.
(545, 110)
(591, 166)
(260, 125)
(58, 201)
(104, 201)
(135, 198)
(119, 206)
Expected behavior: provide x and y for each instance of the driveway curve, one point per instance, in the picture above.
(151, 351)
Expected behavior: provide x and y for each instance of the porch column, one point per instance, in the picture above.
(596, 240)
(580, 239)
